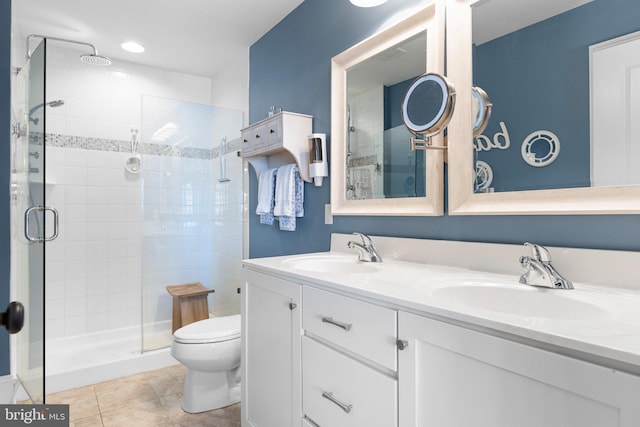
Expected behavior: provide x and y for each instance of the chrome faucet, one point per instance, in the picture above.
(540, 272)
(366, 250)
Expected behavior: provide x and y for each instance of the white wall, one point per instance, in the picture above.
(230, 86)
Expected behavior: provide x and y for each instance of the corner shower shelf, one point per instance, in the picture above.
(277, 141)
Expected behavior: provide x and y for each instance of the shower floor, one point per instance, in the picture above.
(88, 359)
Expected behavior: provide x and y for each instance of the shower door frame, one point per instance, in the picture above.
(28, 220)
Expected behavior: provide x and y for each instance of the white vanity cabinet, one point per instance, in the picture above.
(452, 376)
(271, 395)
(314, 357)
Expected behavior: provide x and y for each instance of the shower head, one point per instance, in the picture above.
(87, 58)
(95, 59)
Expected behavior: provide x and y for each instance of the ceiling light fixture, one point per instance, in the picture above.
(367, 3)
(132, 47)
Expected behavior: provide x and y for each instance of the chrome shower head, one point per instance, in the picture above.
(95, 59)
(87, 58)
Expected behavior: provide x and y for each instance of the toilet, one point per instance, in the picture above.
(210, 350)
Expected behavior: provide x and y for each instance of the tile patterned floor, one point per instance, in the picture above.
(148, 399)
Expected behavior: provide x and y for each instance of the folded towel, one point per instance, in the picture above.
(266, 200)
(289, 197)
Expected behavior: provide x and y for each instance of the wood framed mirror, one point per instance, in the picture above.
(539, 64)
(373, 170)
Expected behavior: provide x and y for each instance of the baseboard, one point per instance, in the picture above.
(6, 389)
(7, 394)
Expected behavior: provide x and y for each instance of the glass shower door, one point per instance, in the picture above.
(28, 218)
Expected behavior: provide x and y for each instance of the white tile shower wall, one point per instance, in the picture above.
(93, 272)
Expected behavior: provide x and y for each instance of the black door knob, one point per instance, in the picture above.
(13, 317)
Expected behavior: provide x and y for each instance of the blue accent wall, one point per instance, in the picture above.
(290, 68)
(5, 116)
(538, 79)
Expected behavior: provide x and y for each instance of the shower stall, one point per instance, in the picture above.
(130, 156)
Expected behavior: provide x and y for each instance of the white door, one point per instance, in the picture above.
(451, 377)
(271, 373)
(615, 111)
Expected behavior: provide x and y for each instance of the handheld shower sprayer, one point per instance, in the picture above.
(53, 104)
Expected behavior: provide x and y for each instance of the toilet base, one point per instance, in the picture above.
(206, 391)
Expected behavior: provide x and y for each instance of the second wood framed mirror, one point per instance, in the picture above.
(547, 67)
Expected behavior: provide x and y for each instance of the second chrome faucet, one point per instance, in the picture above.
(366, 250)
(540, 271)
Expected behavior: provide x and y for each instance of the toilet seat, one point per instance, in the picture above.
(215, 329)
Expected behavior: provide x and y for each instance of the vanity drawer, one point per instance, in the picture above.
(365, 329)
(361, 395)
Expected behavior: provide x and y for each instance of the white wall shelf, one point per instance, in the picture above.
(277, 141)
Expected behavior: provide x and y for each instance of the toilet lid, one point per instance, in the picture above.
(215, 329)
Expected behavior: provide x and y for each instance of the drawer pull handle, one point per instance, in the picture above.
(329, 396)
(345, 326)
(402, 344)
(292, 306)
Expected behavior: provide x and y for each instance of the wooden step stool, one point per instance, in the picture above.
(189, 304)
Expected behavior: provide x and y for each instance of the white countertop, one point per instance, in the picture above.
(608, 333)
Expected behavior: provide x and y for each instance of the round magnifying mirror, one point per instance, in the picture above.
(428, 104)
(481, 110)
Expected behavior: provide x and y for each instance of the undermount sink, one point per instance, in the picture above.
(331, 264)
(521, 300)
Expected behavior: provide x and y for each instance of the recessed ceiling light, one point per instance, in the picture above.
(132, 47)
(367, 3)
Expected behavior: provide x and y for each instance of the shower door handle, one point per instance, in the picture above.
(27, 214)
(40, 239)
(56, 223)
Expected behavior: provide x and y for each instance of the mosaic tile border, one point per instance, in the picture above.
(120, 146)
(363, 161)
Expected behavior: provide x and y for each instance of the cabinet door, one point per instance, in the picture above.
(271, 377)
(450, 377)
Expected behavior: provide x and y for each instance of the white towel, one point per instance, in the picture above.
(289, 197)
(266, 188)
